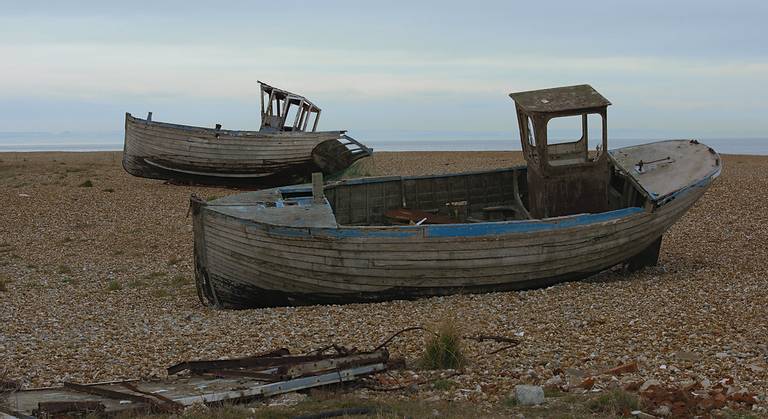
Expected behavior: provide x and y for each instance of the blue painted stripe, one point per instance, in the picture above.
(458, 230)
(491, 229)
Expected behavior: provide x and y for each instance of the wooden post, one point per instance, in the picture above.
(261, 100)
(298, 115)
(318, 195)
(306, 119)
(149, 116)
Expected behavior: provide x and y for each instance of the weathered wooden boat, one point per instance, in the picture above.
(569, 213)
(280, 149)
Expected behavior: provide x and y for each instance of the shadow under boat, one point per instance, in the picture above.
(568, 214)
(286, 149)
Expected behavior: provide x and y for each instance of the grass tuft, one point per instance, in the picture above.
(615, 402)
(4, 281)
(155, 275)
(160, 293)
(178, 280)
(63, 270)
(114, 285)
(509, 402)
(444, 384)
(444, 350)
(86, 184)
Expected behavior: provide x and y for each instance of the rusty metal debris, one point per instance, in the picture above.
(511, 342)
(68, 409)
(203, 381)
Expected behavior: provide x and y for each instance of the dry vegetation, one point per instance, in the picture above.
(96, 284)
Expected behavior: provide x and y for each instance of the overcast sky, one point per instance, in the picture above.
(673, 69)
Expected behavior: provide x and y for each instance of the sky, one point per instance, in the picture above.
(670, 68)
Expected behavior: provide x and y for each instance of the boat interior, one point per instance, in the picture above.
(561, 178)
(475, 197)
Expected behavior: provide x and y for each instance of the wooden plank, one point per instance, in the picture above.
(334, 280)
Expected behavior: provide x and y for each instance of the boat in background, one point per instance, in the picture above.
(568, 214)
(286, 147)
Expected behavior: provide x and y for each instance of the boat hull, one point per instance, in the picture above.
(242, 262)
(198, 155)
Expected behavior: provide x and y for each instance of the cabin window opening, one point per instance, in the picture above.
(595, 134)
(529, 131)
(312, 120)
(565, 129)
(290, 116)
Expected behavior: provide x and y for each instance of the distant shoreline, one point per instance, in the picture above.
(457, 153)
(744, 146)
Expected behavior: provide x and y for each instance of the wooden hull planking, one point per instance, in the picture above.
(183, 153)
(244, 263)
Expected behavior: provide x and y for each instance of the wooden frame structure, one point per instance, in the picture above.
(563, 178)
(276, 107)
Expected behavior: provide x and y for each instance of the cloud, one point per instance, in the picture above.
(90, 70)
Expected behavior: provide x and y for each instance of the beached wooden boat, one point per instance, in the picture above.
(384, 238)
(281, 148)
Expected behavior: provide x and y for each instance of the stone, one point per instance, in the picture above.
(555, 381)
(649, 383)
(527, 395)
(663, 411)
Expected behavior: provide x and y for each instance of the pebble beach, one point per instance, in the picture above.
(96, 284)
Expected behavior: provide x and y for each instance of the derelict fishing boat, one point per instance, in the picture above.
(568, 214)
(286, 145)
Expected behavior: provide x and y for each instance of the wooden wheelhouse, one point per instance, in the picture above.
(282, 110)
(564, 178)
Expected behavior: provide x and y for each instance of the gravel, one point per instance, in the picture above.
(99, 286)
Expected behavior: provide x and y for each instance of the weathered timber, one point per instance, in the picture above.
(249, 262)
(567, 214)
(275, 154)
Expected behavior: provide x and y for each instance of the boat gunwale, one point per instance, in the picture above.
(234, 133)
(457, 230)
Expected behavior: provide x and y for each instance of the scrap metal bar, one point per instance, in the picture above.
(169, 403)
(251, 361)
(231, 364)
(8, 413)
(66, 409)
(118, 395)
(272, 389)
(263, 376)
(314, 368)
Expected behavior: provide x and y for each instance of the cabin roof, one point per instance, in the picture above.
(560, 99)
(285, 94)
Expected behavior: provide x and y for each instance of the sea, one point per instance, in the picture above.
(379, 140)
